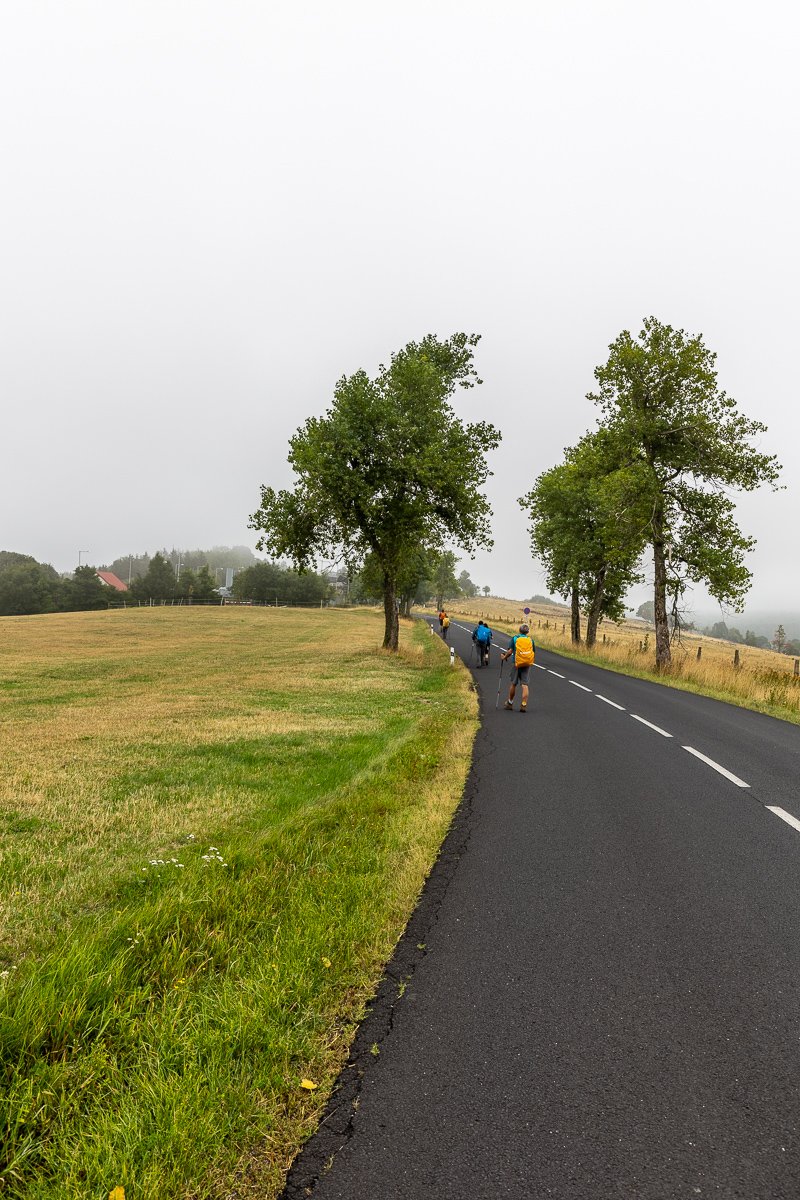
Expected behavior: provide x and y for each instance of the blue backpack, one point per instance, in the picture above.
(482, 634)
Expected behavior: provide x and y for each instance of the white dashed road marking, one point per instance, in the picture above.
(779, 812)
(650, 725)
(728, 774)
(784, 816)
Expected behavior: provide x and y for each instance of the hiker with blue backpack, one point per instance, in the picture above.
(523, 650)
(482, 637)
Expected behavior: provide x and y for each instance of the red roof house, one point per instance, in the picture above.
(111, 580)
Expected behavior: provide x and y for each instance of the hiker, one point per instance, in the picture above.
(445, 625)
(523, 649)
(482, 637)
(441, 618)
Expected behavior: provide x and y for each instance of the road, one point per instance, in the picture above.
(599, 993)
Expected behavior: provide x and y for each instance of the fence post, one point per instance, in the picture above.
(699, 653)
(797, 666)
(736, 659)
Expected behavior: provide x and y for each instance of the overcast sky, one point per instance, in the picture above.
(211, 211)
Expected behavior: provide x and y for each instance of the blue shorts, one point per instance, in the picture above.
(520, 674)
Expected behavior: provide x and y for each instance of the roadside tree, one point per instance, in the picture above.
(389, 468)
(659, 396)
(586, 528)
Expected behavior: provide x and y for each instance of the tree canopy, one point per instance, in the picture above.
(389, 468)
(690, 445)
(586, 526)
(273, 584)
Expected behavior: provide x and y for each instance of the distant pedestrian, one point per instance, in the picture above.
(523, 651)
(441, 618)
(445, 625)
(482, 637)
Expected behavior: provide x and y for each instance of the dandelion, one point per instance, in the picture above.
(326, 962)
(309, 1085)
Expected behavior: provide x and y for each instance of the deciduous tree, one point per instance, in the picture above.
(586, 528)
(659, 396)
(389, 468)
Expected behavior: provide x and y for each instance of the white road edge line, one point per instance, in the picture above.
(650, 725)
(613, 703)
(539, 667)
(552, 672)
(728, 774)
(580, 685)
(784, 816)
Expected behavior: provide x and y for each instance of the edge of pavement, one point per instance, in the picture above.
(335, 1129)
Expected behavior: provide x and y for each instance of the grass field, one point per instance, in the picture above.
(764, 680)
(213, 826)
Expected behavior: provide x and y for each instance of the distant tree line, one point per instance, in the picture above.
(132, 566)
(28, 587)
(730, 633)
(779, 642)
(272, 583)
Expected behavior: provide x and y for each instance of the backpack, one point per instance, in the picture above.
(523, 651)
(445, 622)
(482, 634)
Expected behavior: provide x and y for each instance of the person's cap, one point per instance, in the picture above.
(524, 629)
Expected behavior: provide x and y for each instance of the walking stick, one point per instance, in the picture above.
(499, 684)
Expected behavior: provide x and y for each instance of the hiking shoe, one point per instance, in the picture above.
(508, 705)
(523, 708)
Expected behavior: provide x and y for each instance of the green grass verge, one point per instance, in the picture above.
(158, 1042)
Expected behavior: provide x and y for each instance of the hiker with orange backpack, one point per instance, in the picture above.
(524, 651)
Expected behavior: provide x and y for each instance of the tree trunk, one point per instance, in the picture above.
(593, 615)
(392, 627)
(663, 653)
(439, 603)
(575, 629)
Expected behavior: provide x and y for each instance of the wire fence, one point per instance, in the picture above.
(229, 601)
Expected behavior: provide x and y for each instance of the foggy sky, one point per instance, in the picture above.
(212, 211)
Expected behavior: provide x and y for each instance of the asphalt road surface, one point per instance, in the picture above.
(599, 993)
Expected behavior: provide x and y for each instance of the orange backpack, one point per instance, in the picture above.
(523, 651)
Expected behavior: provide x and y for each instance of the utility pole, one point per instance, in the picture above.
(80, 552)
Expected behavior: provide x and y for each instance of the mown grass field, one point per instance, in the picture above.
(763, 681)
(213, 826)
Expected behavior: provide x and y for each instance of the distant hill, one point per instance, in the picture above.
(763, 622)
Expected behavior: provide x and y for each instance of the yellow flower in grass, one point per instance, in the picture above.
(308, 1084)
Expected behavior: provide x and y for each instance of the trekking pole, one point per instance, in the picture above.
(499, 684)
